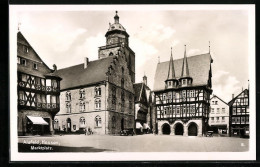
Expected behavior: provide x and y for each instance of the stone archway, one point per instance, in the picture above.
(166, 129)
(192, 129)
(179, 129)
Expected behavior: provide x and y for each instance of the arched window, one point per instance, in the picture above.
(82, 106)
(68, 96)
(97, 103)
(111, 54)
(68, 106)
(82, 122)
(81, 93)
(122, 82)
(97, 91)
(56, 124)
(98, 121)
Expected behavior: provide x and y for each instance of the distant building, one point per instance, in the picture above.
(219, 116)
(38, 90)
(98, 95)
(239, 114)
(142, 106)
(182, 90)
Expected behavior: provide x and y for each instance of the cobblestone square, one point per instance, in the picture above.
(139, 143)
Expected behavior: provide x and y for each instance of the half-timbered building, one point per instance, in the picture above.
(182, 90)
(38, 90)
(98, 96)
(239, 115)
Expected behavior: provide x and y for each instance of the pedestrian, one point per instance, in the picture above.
(85, 131)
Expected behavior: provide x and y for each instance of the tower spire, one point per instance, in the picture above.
(116, 18)
(19, 25)
(209, 47)
(185, 66)
(171, 71)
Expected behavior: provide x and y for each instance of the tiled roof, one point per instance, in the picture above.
(76, 76)
(199, 67)
(138, 90)
(219, 99)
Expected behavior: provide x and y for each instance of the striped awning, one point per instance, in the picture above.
(37, 120)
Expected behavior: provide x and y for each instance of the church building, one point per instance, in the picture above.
(38, 91)
(98, 96)
(182, 90)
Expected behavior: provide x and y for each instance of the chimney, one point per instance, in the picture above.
(86, 61)
(233, 96)
(145, 80)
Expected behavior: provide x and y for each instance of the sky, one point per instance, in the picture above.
(64, 38)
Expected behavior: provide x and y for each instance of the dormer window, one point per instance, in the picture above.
(23, 62)
(170, 83)
(184, 81)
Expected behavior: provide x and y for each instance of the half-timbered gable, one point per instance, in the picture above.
(182, 91)
(38, 90)
(239, 114)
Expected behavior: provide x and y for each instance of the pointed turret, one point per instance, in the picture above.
(171, 80)
(185, 78)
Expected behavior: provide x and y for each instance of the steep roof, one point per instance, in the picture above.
(138, 90)
(185, 67)
(199, 67)
(171, 71)
(76, 76)
(219, 99)
(234, 99)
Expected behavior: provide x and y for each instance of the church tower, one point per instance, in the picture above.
(116, 38)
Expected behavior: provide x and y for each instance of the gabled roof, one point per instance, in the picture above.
(234, 99)
(76, 76)
(199, 67)
(219, 99)
(35, 57)
(140, 92)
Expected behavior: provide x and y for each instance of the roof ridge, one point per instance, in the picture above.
(187, 57)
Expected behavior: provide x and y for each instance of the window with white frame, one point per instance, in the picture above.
(98, 121)
(98, 91)
(98, 104)
(68, 106)
(68, 96)
(35, 66)
(82, 122)
(82, 106)
(81, 93)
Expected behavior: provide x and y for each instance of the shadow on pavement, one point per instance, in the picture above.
(49, 148)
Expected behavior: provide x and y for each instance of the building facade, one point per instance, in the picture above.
(182, 90)
(239, 115)
(98, 96)
(38, 90)
(219, 116)
(142, 106)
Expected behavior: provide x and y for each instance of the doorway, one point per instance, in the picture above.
(193, 130)
(166, 129)
(68, 125)
(178, 129)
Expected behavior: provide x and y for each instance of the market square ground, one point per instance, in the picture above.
(139, 143)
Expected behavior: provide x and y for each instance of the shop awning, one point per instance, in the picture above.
(37, 120)
(138, 125)
(146, 126)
